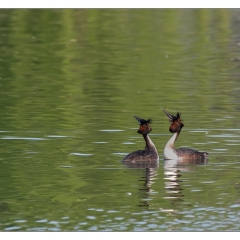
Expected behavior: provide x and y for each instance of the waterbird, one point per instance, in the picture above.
(183, 154)
(150, 152)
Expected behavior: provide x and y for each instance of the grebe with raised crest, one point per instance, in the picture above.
(184, 154)
(150, 152)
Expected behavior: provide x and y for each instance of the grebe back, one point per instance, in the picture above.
(150, 152)
(183, 154)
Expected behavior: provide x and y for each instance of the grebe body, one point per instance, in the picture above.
(183, 154)
(150, 152)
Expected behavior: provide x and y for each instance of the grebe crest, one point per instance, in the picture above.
(150, 152)
(186, 155)
(176, 121)
(144, 125)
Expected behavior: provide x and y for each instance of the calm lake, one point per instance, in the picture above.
(71, 81)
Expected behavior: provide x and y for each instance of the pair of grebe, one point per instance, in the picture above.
(170, 152)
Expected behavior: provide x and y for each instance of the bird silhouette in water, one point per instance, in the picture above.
(183, 154)
(150, 152)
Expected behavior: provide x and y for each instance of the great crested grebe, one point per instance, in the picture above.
(150, 152)
(184, 154)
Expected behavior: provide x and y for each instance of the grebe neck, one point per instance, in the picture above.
(169, 151)
(149, 144)
(172, 140)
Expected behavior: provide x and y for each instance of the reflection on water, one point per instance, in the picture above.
(172, 182)
(150, 173)
(147, 165)
(147, 191)
(173, 171)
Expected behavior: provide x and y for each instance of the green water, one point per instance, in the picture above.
(70, 83)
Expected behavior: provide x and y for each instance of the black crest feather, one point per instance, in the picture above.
(172, 118)
(143, 121)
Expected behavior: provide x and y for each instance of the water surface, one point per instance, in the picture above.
(71, 82)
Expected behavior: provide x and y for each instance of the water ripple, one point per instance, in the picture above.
(224, 136)
(128, 143)
(20, 221)
(23, 138)
(121, 154)
(41, 221)
(81, 154)
(111, 130)
(57, 136)
(12, 228)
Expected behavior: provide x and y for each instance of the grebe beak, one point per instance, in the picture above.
(170, 117)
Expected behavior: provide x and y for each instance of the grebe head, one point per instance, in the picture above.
(144, 128)
(176, 121)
